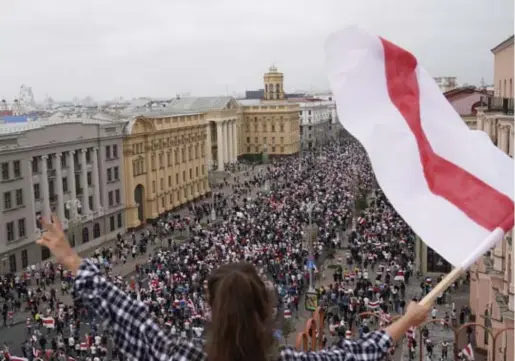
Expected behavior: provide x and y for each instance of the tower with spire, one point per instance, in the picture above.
(274, 89)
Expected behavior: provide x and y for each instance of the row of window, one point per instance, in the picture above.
(186, 192)
(111, 151)
(13, 226)
(13, 199)
(259, 149)
(114, 224)
(162, 180)
(113, 174)
(11, 170)
(264, 127)
(256, 140)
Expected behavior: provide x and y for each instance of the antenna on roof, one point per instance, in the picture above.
(177, 96)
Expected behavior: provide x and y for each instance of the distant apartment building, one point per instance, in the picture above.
(70, 167)
(315, 120)
(492, 287)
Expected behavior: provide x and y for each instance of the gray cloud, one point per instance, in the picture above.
(108, 48)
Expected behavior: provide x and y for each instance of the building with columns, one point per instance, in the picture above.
(71, 167)
(165, 163)
(492, 287)
(222, 115)
(270, 125)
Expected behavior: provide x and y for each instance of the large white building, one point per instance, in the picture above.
(319, 122)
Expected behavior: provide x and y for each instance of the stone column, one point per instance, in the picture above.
(71, 175)
(220, 146)
(84, 169)
(230, 139)
(59, 186)
(209, 155)
(44, 187)
(234, 141)
(32, 200)
(226, 141)
(96, 181)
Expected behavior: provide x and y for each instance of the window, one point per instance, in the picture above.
(85, 235)
(111, 224)
(24, 259)
(273, 128)
(115, 151)
(5, 171)
(21, 228)
(117, 196)
(168, 159)
(169, 181)
(162, 202)
(90, 202)
(49, 164)
(7, 201)
(37, 194)
(161, 160)
(153, 162)
(110, 198)
(282, 127)
(9, 227)
(108, 152)
(154, 186)
(65, 185)
(176, 179)
(183, 155)
(45, 253)
(63, 160)
(88, 176)
(12, 263)
(96, 230)
(248, 139)
(109, 175)
(17, 169)
(19, 197)
(116, 173)
(184, 176)
(88, 156)
(162, 183)
(120, 220)
(35, 165)
(196, 171)
(191, 173)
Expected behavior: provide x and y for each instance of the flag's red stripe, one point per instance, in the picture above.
(480, 202)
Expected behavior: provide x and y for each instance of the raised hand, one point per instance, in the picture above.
(54, 239)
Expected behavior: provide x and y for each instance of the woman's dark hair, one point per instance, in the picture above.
(241, 320)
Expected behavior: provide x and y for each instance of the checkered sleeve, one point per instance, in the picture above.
(372, 347)
(136, 335)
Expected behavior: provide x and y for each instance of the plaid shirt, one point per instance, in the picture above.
(138, 337)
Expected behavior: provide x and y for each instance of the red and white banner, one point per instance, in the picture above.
(287, 313)
(48, 322)
(373, 304)
(399, 276)
(411, 333)
(17, 358)
(468, 352)
(452, 185)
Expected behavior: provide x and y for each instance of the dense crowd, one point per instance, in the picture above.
(270, 230)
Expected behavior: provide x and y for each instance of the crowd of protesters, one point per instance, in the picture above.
(270, 230)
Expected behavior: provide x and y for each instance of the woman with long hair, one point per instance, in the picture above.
(242, 316)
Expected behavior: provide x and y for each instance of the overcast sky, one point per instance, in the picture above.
(132, 48)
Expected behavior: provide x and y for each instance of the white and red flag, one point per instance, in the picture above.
(452, 185)
(373, 304)
(48, 322)
(468, 352)
(399, 276)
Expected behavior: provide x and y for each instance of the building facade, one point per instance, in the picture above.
(492, 287)
(466, 101)
(72, 168)
(315, 121)
(270, 125)
(165, 162)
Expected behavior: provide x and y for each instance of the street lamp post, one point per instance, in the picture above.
(213, 210)
(311, 257)
(75, 222)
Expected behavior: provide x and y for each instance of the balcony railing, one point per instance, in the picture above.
(498, 104)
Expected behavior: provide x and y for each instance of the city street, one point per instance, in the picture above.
(15, 335)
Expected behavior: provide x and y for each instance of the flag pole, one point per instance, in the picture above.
(457, 272)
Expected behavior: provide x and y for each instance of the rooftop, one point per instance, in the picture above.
(18, 128)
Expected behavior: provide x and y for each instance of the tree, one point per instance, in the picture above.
(287, 329)
(361, 204)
